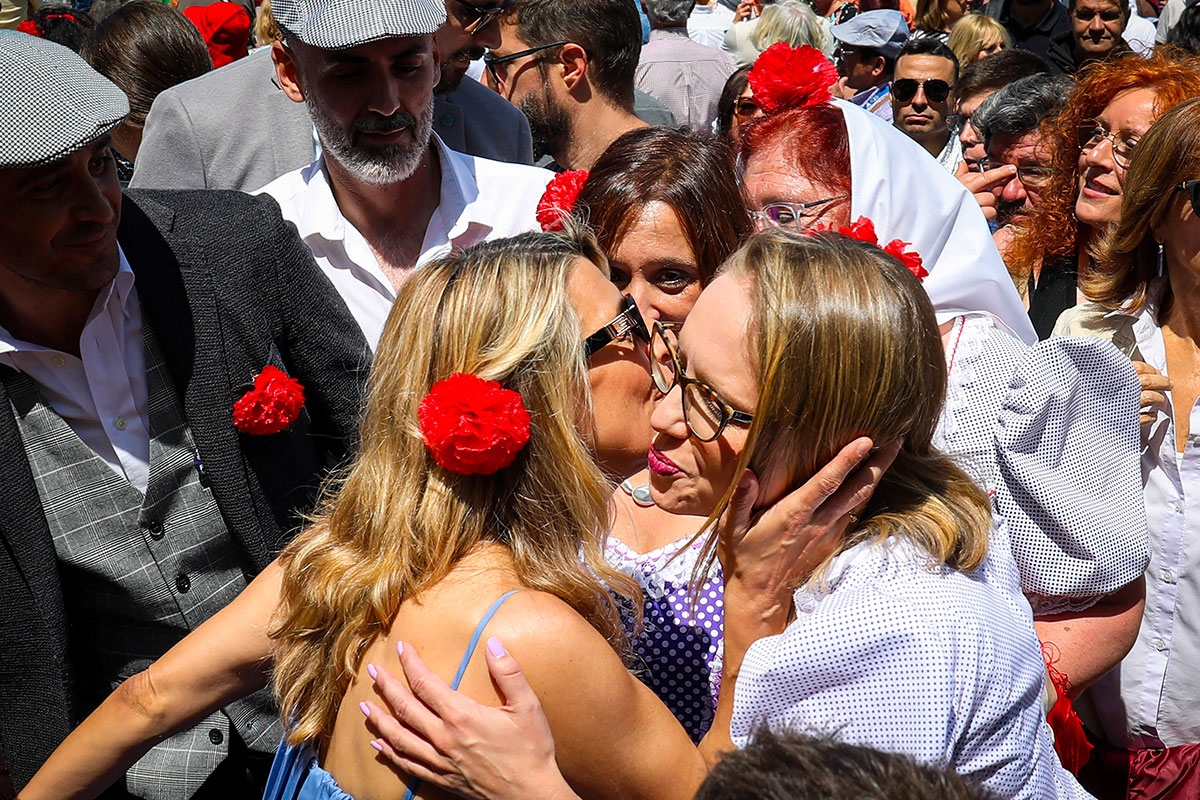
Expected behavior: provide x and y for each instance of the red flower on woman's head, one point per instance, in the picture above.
(863, 229)
(271, 406)
(559, 199)
(785, 77)
(472, 426)
(30, 27)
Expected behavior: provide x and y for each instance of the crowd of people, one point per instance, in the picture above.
(624, 399)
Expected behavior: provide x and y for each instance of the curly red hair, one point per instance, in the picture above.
(1051, 231)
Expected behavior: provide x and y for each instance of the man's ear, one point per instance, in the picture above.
(878, 67)
(574, 62)
(287, 72)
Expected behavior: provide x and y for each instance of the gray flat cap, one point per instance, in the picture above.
(51, 102)
(338, 24)
(882, 30)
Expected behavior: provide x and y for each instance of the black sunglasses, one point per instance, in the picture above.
(628, 321)
(1192, 187)
(491, 62)
(936, 90)
(482, 17)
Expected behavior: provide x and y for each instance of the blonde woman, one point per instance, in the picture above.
(975, 36)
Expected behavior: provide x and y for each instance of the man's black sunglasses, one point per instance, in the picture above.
(482, 17)
(936, 90)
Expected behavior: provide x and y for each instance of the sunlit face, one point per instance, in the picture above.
(59, 229)
(688, 476)
(458, 47)
(745, 111)
(1031, 155)
(622, 392)
(1128, 116)
(655, 263)
(1098, 26)
(861, 68)
(923, 117)
(990, 47)
(972, 143)
(768, 179)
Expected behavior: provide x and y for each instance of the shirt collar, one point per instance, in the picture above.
(458, 203)
(669, 33)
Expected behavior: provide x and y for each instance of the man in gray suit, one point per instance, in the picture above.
(235, 128)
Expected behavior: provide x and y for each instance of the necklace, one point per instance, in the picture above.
(640, 494)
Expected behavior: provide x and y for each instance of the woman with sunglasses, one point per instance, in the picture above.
(1093, 139)
(1146, 291)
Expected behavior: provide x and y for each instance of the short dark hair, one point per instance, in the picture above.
(145, 47)
(735, 84)
(788, 765)
(929, 46)
(1020, 107)
(693, 173)
(669, 12)
(63, 24)
(609, 31)
(1185, 34)
(999, 70)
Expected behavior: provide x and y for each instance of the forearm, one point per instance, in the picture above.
(1090, 643)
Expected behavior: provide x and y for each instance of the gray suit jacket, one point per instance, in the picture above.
(234, 128)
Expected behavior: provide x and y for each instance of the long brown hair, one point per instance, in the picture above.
(398, 523)
(1127, 256)
(1051, 231)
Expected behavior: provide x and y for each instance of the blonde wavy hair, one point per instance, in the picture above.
(396, 523)
(970, 34)
(845, 344)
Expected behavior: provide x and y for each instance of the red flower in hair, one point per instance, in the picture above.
(559, 199)
(863, 229)
(472, 426)
(271, 406)
(30, 27)
(785, 77)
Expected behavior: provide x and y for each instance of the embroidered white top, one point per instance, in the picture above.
(102, 393)
(480, 200)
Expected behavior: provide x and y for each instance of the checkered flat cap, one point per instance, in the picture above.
(338, 24)
(51, 102)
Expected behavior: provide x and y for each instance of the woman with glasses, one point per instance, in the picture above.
(736, 107)
(1093, 139)
(1145, 288)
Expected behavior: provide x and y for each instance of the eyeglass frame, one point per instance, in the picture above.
(797, 210)
(1192, 187)
(483, 16)
(1122, 159)
(920, 85)
(628, 320)
(987, 164)
(679, 378)
(490, 61)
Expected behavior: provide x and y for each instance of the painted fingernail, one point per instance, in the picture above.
(372, 671)
(365, 709)
(495, 648)
(378, 747)
(399, 648)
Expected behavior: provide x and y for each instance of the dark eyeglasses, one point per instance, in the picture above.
(1035, 177)
(628, 322)
(936, 90)
(1192, 187)
(790, 215)
(1092, 133)
(705, 412)
(745, 108)
(482, 17)
(491, 62)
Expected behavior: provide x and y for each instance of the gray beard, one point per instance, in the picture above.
(375, 166)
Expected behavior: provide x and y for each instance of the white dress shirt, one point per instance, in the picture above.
(1149, 700)
(102, 393)
(480, 200)
(892, 652)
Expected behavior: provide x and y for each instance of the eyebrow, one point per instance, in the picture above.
(343, 57)
(44, 171)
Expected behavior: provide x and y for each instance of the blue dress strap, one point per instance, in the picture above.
(410, 790)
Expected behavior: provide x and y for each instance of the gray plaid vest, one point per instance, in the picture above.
(139, 572)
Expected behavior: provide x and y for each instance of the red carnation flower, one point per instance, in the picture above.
(909, 258)
(472, 426)
(785, 77)
(30, 27)
(271, 406)
(862, 229)
(559, 199)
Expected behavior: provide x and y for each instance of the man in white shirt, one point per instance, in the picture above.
(386, 195)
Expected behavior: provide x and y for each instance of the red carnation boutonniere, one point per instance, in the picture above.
(472, 426)
(559, 199)
(785, 77)
(863, 229)
(271, 406)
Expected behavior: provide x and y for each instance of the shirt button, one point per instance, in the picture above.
(1160, 645)
(121, 424)
(156, 529)
(183, 583)
(215, 736)
(448, 120)
(1178, 508)
(1167, 576)
(59, 361)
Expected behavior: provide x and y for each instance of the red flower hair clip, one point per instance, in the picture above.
(30, 27)
(271, 406)
(863, 229)
(559, 199)
(472, 426)
(785, 77)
